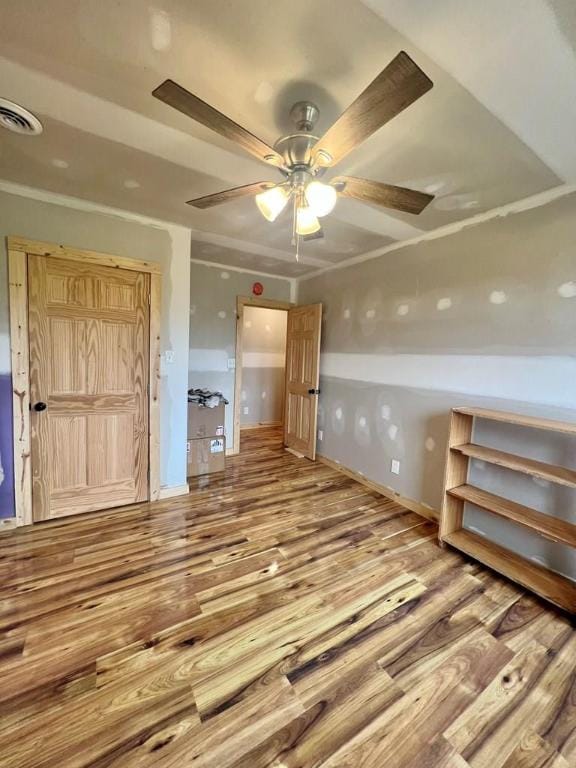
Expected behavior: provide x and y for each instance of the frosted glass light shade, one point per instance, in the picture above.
(272, 202)
(306, 221)
(321, 198)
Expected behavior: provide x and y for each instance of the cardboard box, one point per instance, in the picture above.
(205, 422)
(206, 455)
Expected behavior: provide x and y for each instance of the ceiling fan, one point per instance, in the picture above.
(303, 158)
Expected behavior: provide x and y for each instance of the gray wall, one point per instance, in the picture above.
(485, 316)
(263, 362)
(112, 233)
(213, 292)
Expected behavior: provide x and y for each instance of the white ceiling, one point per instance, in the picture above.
(498, 126)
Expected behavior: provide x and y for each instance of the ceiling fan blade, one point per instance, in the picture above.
(387, 195)
(395, 88)
(230, 194)
(175, 96)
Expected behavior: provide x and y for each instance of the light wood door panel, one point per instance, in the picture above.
(302, 378)
(89, 363)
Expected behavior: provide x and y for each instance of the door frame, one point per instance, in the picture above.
(241, 302)
(18, 250)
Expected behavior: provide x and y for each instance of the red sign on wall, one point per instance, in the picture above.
(257, 289)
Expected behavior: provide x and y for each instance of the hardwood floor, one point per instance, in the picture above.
(279, 615)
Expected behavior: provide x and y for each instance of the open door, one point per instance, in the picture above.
(302, 378)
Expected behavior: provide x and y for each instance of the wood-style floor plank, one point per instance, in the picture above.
(279, 615)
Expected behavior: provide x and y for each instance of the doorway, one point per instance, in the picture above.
(297, 339)
(85, 347)
(260, 364)
(263, 365)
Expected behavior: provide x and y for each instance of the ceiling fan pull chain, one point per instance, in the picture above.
(294, 209)
(297, 202)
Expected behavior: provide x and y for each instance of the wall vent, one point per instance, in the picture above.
(15, 118)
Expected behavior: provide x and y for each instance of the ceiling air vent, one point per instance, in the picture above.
(15, 118)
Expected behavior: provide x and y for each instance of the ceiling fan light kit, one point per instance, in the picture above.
(321, 197)
(272, 202)
(306, 221)
(302, 157)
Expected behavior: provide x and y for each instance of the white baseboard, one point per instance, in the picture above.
(174, 490)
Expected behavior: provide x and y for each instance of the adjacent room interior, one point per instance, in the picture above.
(287, 384)
(262, 358)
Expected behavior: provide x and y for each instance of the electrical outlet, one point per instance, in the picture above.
(320, 434)
(231, 363)
(169, 355)
(395, 467)
(246, 410)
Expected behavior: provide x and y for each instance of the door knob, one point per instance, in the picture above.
(313, 391)
(40, 406)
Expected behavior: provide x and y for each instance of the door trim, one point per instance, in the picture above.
(18, 250)
(241, 302)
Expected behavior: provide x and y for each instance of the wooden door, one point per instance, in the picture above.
(302, 378)
(89, 367)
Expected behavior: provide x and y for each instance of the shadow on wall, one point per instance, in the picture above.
(563, 10)
(564, 506)
(433, 466)
(6, 459)
(304, 90)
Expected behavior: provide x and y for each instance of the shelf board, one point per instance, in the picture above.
(544, 525)
(550, 472)
(549, 585)
(517, 418)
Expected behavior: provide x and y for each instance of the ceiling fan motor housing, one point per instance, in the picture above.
(296, 149)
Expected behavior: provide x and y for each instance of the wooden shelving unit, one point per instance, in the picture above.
(520, 464)
(549, 527)
(558, 589)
